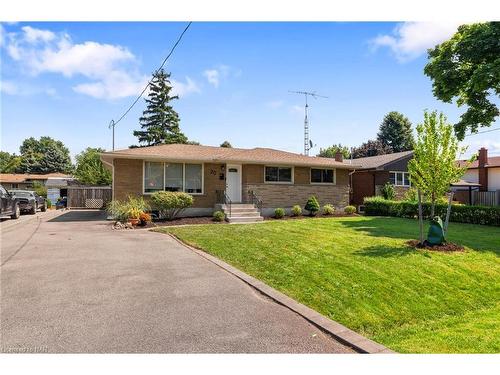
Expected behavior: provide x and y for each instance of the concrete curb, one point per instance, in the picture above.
(341, 333)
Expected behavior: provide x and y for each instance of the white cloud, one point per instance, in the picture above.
(9, 88)
(111, 69)
(184, 89)
(410, 40)
(216, 75)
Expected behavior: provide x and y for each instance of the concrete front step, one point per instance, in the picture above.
(244, 219)
(244, 214)
(242, 210)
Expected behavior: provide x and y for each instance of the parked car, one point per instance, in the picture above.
(29, 201)
(9, 204)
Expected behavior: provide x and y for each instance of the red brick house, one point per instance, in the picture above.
(217, 175)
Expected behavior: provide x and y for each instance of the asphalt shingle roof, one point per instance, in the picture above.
(379, 160)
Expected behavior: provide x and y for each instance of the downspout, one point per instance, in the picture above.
(351, 188)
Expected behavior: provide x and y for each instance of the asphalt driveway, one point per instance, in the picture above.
(71, 284)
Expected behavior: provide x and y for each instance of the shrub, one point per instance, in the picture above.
(312, 205)
(49, 203)
(144, 218)
(328, 209)
(170, 204)
(411, 195)
(40, 189)
(296, 210)
(279, 213)
(350, 210)
(377, 206)
(219, 216)
(132, 208)
(388, 191)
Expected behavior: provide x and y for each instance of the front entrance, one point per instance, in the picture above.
(233, 182)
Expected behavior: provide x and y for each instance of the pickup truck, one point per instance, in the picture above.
(29, 201)
(9, 205)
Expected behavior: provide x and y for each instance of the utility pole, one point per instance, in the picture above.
(112, 126)
(307, 142)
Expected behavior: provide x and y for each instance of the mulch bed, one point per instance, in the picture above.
(445, 248)
(310, 217)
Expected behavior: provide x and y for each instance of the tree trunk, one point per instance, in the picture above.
(420, 218)
(448, 211)
(433, 205)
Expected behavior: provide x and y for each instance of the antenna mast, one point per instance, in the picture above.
(307, 142)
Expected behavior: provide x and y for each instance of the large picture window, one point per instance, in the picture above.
(174, 177)
(322, 176)
(278, 174)
(160, 176)
(399, 178)
(193, 178)
(153, 177)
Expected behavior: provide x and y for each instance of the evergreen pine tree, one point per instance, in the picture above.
(396, 132)
(160, 122)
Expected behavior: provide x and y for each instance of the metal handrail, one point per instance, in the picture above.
(223, 198)
(255, 200)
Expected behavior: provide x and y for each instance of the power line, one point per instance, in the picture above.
(484, 131)
(114, 123)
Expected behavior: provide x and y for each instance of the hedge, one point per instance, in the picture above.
(377, 206)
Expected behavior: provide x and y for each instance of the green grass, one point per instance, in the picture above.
(359, 272)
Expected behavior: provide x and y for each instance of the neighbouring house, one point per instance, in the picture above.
(56, 183)
(217, 175)
(373, 172)
(484, 173)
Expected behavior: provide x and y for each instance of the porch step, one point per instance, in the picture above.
(242, 213)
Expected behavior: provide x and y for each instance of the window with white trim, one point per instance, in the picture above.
(278, 174)
(322, 176)
(399, 178)
(160, 176)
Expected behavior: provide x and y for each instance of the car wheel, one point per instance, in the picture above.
(17, 212)
(44, 207)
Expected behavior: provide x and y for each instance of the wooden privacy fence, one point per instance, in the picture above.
(486, 198)
(89, 196)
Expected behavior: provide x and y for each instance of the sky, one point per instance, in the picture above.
(69, 80)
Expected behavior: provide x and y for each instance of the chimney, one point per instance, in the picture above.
(339, 157)
(482, 170)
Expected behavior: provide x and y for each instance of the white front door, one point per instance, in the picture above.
(233, 182)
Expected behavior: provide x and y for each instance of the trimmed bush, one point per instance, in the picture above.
(312, 205)
(350, 210)
(279, 213)
(219, 216)
(388, 191)
(377, 206)
(171, 203)
(296, 210)
(328, 209)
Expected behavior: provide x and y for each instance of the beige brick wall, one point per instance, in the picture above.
(128, 181)
(283, 195)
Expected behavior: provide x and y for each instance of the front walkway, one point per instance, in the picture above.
(73, 285)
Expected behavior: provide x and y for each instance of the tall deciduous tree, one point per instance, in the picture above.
(226, 144)
(89, 168)
(371, 148)
(330, 151)
(395, 131)
(467, 67)
(9, 162)
(45, 155)
(160, 122)
(434, 167)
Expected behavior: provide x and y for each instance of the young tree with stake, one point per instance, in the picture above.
(433, 167)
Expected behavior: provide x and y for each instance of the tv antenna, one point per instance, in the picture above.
(307, 143)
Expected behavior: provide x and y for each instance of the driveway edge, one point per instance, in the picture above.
(341, 333)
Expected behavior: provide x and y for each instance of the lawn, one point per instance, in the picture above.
(359, 272)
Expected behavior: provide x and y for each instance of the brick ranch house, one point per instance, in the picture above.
(277, 178)
(373, 172)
